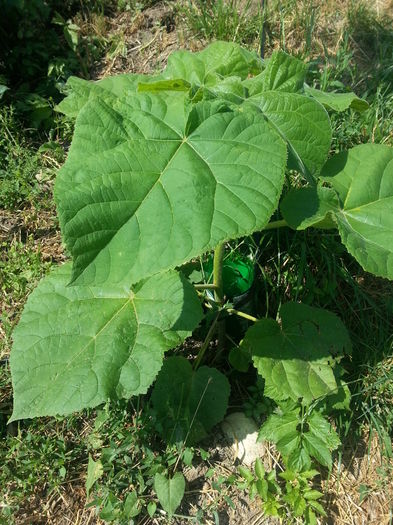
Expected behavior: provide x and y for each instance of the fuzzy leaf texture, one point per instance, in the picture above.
(296, 358)
(77, 346)
(360, 200)
(155, 181)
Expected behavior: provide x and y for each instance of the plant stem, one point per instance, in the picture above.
(206, 342)
(242, 314)
(218, 281)
(263, 28)
(205, 286)
(218, 261)
(275, 224)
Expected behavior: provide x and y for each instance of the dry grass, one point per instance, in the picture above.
(149, 37)
(361, 467)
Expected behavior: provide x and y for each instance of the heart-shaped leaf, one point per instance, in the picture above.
(363, 180)
(189, 404)
(76, 346)
(156, 181)
(80, 91)
(170, 491)
(296, 357)
(311, 206)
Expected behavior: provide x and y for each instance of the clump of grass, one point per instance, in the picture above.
(19, 164)
(38, 458)
(21, 268)
(233, 20)
(26, 172)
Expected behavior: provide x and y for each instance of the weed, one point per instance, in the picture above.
(234, 21)
(20, 270)
(25, 173)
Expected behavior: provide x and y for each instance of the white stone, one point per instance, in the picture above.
(242, 432)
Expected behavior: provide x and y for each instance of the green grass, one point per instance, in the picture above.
(48, 454)
(37, 461)
(221, 20)
(21, 267)
(19, 164)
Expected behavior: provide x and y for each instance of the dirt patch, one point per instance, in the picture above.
(147, 39)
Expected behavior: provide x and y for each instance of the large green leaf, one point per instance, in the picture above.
(76, 346)
(216, 61)
(360, 200)
(337, 101)
(156, 181)
(188, 403)
(302, 122)
(296, 357)
(363, 180)
(283, 72)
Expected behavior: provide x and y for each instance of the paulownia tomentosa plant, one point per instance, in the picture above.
(163, 169)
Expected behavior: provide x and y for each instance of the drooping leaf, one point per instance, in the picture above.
(302, 122)
(320, 439)
(76, 346)
(209, 66)
(240, 358)
(170, 491)
(337, 101)
(297, 357)
(280, 427)
(363, 180)
(283, 430)
(154, 181)
(360, 201)
(283, 72)
(189, 403)
(299, 459)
